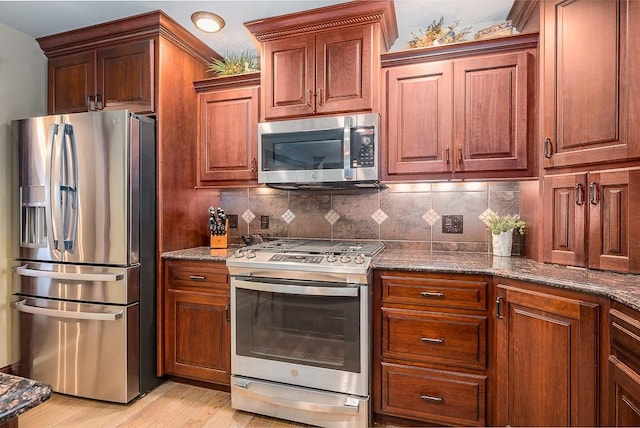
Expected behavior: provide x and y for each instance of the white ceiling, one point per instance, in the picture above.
(42, 18)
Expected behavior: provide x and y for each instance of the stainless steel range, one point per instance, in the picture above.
(301, 324)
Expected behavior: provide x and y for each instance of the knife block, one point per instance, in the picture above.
(220, 241)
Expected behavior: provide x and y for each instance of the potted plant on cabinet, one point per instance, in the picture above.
(502, 228)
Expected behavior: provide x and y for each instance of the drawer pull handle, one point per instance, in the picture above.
(197, 277)
(432, 340)
(431, 398)
(431, 294)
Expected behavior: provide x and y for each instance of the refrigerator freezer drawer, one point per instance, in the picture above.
(81, 349)
(112, 285)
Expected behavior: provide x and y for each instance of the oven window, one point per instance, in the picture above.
(303, 151)
(316, 331)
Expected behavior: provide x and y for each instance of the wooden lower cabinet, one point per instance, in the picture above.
(547, 353)
(624, 366)
(197, 342)
(430, 353)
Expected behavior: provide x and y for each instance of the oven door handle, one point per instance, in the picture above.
(274, 287)
(245, 389)
(22, 306)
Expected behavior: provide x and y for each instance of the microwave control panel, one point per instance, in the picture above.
(362, 147)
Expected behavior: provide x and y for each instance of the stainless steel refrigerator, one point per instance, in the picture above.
(84, 278)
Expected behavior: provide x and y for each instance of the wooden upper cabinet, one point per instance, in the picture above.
(589, 218)
(71, 81)
(124, 77)
(547, 358)
(492, 111)
(419, 118)
(227, 129)
(324, 61)
(590, 90)
(460, 109)
(114, 78)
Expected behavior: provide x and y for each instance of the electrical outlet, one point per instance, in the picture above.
(264, 222)
(233, 221)
(452, 224)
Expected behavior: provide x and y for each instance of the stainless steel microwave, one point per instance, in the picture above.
(335, 151)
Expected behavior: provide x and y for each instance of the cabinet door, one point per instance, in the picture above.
(420, 117)
(491, 112)
(71, 81)
(614, 209)
(343, 70)
(289, 77)
(125, 77)
(198, 336)
(626, 394)
(590, 88)
(547, 353)
(227, 134)
(564, 220)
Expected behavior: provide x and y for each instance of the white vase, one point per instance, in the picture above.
(502, 244)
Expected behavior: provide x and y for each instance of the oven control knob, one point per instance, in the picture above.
(331, 258)
(359, 259)
(250, 254)
(345, 258)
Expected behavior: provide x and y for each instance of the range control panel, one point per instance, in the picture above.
(296, 258)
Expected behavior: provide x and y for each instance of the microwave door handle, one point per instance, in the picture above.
(346, 146)
(52, 185)
(70, 189)
(22, 306)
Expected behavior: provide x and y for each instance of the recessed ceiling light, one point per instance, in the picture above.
(207, 21)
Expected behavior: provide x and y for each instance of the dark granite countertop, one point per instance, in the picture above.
(623, 288)
(18, 394)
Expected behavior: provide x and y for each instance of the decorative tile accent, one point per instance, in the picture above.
(485, 215)
(331, 216)
(248, 216)
(431, 217)
(379, 216)
(288, 216)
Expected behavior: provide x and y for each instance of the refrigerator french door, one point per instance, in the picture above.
(85, 271)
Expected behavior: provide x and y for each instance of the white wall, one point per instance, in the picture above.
(23, 93)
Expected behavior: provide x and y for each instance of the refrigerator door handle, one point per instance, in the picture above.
(69, 189)
(21, 306)
(72, 276)
(52, 184)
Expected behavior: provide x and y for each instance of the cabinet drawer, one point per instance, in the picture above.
(441, 397)
(435, 292)
(625, 337)
(198, 275)
(458, 340)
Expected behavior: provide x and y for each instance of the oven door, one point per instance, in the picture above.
(305, 333)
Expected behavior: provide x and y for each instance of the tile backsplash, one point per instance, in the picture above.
(400, 215)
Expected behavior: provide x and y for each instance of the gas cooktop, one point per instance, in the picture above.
(319, 256)
(306, 246)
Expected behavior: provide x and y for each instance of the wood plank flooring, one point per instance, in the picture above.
(171, 404)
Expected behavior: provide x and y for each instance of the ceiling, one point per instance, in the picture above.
(43, 18)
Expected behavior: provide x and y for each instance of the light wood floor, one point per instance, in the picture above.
(169, 405)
